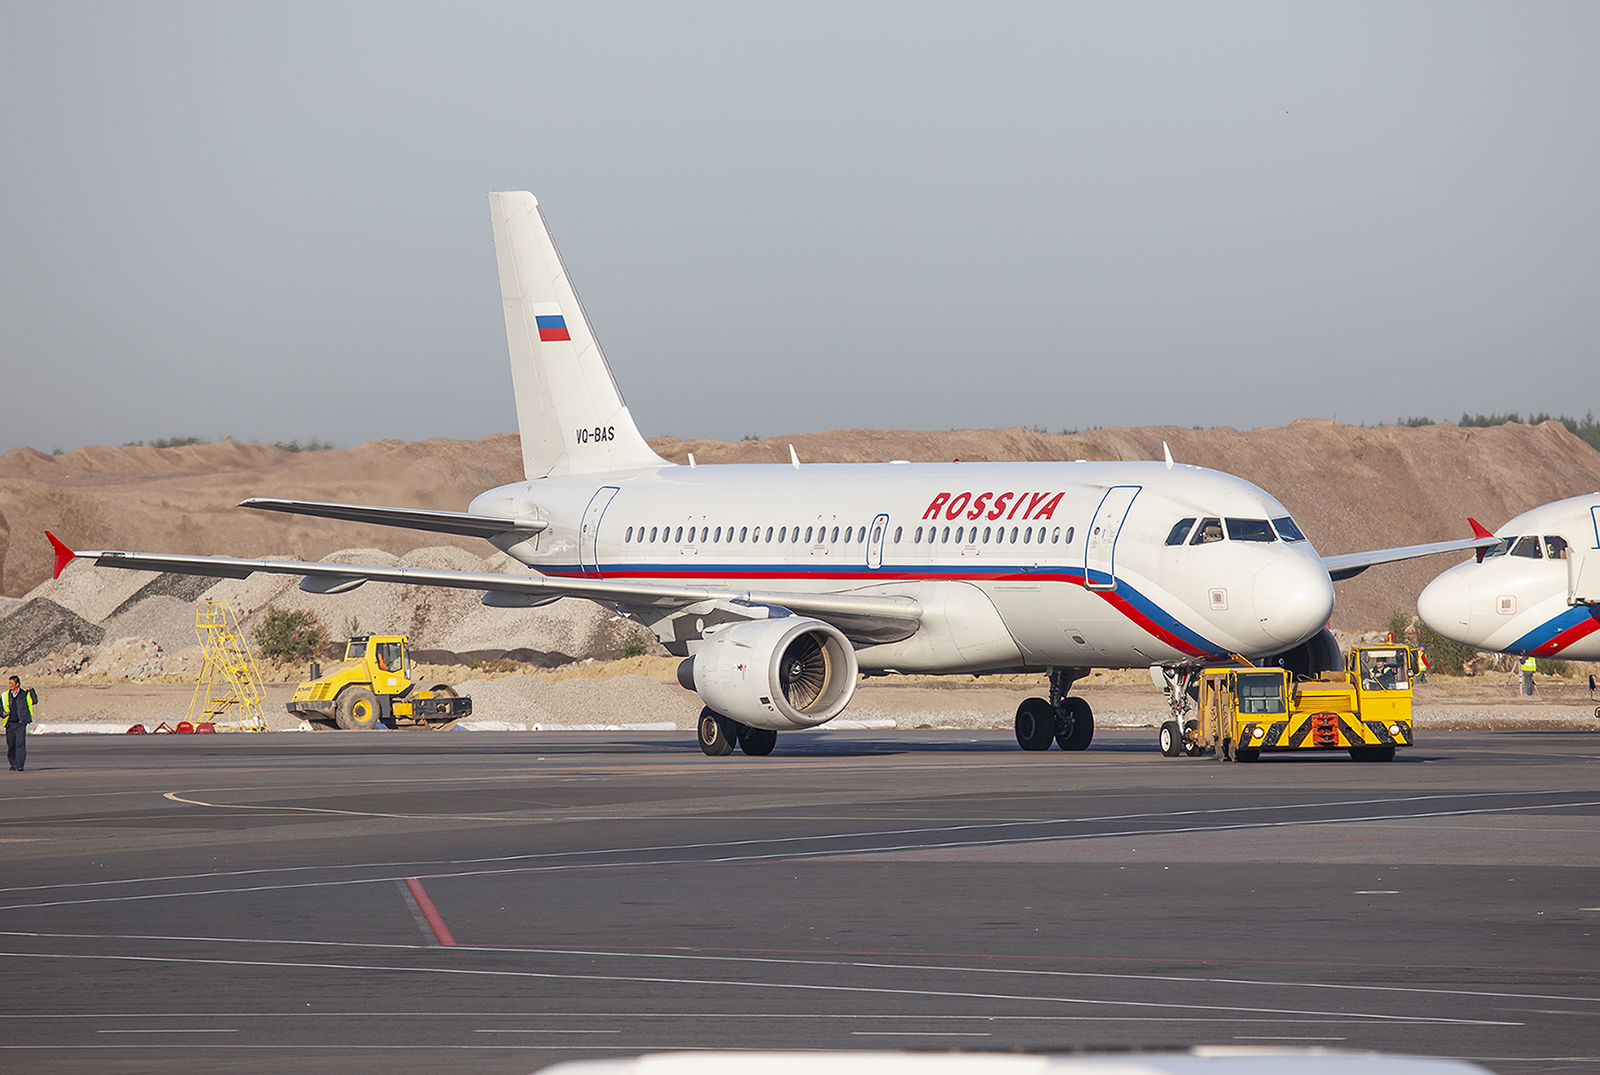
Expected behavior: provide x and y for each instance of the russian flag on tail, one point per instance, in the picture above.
(552, 326)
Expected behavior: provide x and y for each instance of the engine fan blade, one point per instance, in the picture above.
(804, 672)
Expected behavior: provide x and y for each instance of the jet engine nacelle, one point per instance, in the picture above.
(777, 674)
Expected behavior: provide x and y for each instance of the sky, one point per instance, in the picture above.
(269, 221)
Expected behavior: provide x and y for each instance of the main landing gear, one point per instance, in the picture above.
(1066, 721)
(720, 734)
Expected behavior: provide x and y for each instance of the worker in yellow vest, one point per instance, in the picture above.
(1529, 666)
(16, 713)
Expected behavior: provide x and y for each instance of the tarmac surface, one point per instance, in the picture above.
(497, 902)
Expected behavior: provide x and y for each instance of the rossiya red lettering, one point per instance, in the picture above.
(1000, 505)
(957, 506)
(979, 505)
(1015, 506)
(1037, 498)
(938, 502)
(1049, 510)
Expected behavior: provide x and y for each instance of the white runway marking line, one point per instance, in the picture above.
(800, 855)
(546, 1031)
(805, 987)
(844, 964)
(172, 1030)
(429, 868)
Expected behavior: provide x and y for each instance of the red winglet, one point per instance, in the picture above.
(64, 555)
(1479, 530)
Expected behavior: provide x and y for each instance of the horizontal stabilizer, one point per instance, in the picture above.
(442, 522)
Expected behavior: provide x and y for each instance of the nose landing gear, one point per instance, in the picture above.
(1066, 721)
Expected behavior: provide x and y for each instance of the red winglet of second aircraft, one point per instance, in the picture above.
(1479, 530)
(64, 555)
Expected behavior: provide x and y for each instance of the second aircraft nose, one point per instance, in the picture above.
(1445, 605)
(1293, 598)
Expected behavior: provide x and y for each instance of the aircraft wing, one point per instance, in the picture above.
(866, 618)
(441, 522)
(1348, 565)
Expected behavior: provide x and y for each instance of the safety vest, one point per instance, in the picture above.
(5, 705)
(1530, 665)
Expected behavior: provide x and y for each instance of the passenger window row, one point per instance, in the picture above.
(747, 535)
(992, 535)
(989, 535)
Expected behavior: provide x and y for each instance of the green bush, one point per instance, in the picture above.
(1549, 666)
(636, 645)
(291, 634)
(1446, 657)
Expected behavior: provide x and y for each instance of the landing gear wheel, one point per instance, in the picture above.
(1190, 747)
(1372, 753)
(1036, 724)
(757, 742)
(1246, 753)
(356, 709)
(1079, 727)
(716, 734)
(1171, 739)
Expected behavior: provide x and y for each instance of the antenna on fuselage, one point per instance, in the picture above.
(1168, 453)
(794, 460)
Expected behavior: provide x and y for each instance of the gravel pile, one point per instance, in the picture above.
(42, 627)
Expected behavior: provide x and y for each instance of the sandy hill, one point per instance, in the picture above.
(1350, 488)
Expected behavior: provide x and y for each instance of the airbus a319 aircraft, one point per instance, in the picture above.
(1535, 592)
(780, 584)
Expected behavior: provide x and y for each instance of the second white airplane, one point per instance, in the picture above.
(781, 584)
(1534, 593)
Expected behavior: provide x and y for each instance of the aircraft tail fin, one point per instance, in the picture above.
(569, 411)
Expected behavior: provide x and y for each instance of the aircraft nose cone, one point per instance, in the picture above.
(1293, 599)
(1445, 605)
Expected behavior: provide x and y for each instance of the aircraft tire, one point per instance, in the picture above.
(1385, 753)
(716, 734)
(1191, 748)
(1171, 739)
(757, 742)
(356, 709)
(1079, 728)
(1035, 724)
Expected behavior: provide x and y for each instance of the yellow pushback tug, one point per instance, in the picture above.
(1240, 711)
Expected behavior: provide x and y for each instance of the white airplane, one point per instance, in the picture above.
(780, 584)
(1535, 592)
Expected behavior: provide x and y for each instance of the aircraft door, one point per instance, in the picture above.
(875, 540)
(589, 535)
(1099, 547)
(1583, 568)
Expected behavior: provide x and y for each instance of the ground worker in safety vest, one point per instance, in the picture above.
(16, 713)
(1529, 666)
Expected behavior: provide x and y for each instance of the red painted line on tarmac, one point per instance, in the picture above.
(430, 912)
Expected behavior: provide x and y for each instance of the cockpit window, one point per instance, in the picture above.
(1250, 530)
(1383, 670)
(1260, 692)
(1501, 548)
(1528, 546)
(1208, 531)
(1287, 530)
(1180, 530)
(1555, 548)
